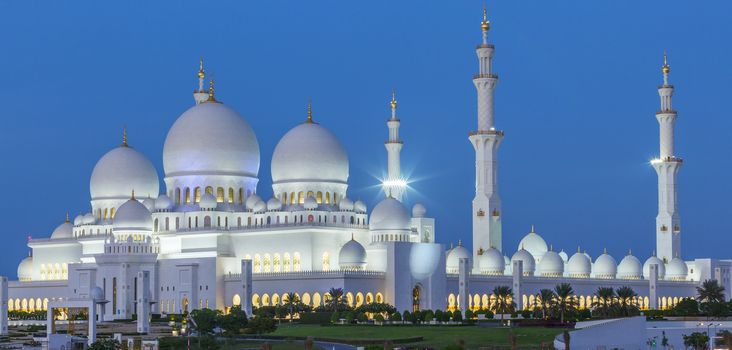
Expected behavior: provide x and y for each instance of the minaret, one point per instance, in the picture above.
(486, 140)
(668, 221)
(394, 184)
(200, 95)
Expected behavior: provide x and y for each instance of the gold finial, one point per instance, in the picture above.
(211, 91)
(201, 73)
(133, 195)
(124, 136)
(393, 99)
(485, 25)
(630, 252)
(310, 112)
(578, 249)
(67, 217)
(604, 250)
(666, 68)
(532, 229)
(352, 236)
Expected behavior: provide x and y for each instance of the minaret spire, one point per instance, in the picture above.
(124, 137)
(200, 95)
(310, 112)
(394, 184)
(668, 220)
(486, 141)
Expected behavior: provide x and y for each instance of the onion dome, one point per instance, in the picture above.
(551, 265)
(260, 206)
(207, 202)
(564, 256)
(310, 203)
(676, 270)
(352, 256)
(419, 211)
(647, 267)
(163, 203)
(587, 255)
(605, 266)
(274, 204)
(25, 269)
(529, 264)
(89, 219)
(132, 216)
(309, 158)
(345, 204)
(390, 215)
(359, 206)
(149, 203)
(79, 220)
(211, 139)
(534, 244)
(629, 268)
(491, 262)
(65, 230)
(121, 171)
(579, 265)
(252, 201)
(453, 257)
(97, 294)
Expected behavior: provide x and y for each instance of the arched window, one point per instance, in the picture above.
(277, 263)
(269, 220)
(188, 195)
(220, 195)
(316, 299)
(206, 221)
(196, 219)
(209, 190)
(155, 225)
(236, 301)
(319, 197)
(197, 194)
(238, 222)
(326, 261)
(369, 298)
(231, 195)
(305, 298)
(265, 300)
(64, 271)
(292, 198)
(286, 262)
(379, 298)
(32, 305)
(189, 222)
(241, 195)
(112, 211)
(327, 197)
(310, 194)
(218, 221)
(296, 262)
(177, 196)
(25, 304)
(300, 197)
(257, 263)
(167, 224)
(267, 263)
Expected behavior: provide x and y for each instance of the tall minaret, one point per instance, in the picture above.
(486, 140)
(394, 184)
(668, 222)
(200, 95)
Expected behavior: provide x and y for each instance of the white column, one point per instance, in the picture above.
(92, 322)
(518, 275)
(463, 287)
(246, 286)
(3, 305)
(143, 302)
(653, 287)
(394, 182)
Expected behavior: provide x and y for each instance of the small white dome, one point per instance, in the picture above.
(564, 256)
(121, 171)
(352, 256)
(419, 211)
(89, 219)
(605, 267)
(132, 216)
(529, 264)
(163, 203)
(453, 258)
(676, 270)
(207, 202)
(310, 203)
(97, 294)
(211, 139)
(390, 215)
(260, 206)
(551, 265)
(534, 244)
(251, 201)
(579, 266)
(149, 203)
(25, 269)
(345, 204)
(359, 206)
(629, 268)
(65, 230)
(79, 220)
(309, 153)
(274, 204)
(647, 267)
(491, 262)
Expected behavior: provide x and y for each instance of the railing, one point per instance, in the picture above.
(308, 273)
(482, 76)
(485, 46)
(266, 227)
(486, 132)
(669, 111)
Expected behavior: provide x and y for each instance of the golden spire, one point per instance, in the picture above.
(666, 68)
(485, 25)
(133, 195)
(393, 99)
(211, 97)
(67, 217)
(124, 136)
(532, 229)
(578, 249)
(201, 73)
(310, 112)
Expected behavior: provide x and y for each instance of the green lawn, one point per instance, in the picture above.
(434, 336)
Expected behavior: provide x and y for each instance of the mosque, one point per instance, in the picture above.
(208, 240)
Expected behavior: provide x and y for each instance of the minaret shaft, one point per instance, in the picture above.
(394, 184)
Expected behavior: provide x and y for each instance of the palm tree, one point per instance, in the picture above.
(503, 304)
(710, 291)
(604, 301)
(292, 304)
(545, 297)
(336, 298)
(564, 301)
(626, 295)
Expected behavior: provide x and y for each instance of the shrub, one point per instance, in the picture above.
(335, 317)
(407, 316)
(439, 315)
(428, 315)
(469, 314)
(261, 325)
(526, 313)
(350, 317)
(457, 316)
(361, 317)
(395, 317)
(379, 318)
(315, 318)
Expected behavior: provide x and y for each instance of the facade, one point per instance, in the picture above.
(208, 240)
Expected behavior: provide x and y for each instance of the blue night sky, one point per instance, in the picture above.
(577, 98)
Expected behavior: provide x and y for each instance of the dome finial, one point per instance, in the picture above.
(579, 250)
(460, 242)
(124, 136)
(67, 217)
(485, 25)
(352, 237)
(532, 229)
(452, 245)
(551, 247)
(666, 68)
(211, 97)
(310, 112)
(201, 73)
(604, 250)
(133, 195)
(630, 251)
(393, 102)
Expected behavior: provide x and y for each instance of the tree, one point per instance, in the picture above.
(233, 322)
(545, 297)
(260, 325)
(336, 301)
(604, 301)
(292, 304)
(105, 344)
(205, 320)
(687, 307)
(457, 316)
(564, 302)
(504, 303)
(395, 317)
(626, 296)
(335, 317)
(566, 337)
(696, 340)
(710, 291)
(664, 340)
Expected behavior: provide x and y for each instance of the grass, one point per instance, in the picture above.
(223, 344)
(434, 336)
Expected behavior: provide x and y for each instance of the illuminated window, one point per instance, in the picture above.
(177, 196)
(319, 197)
(276, 262)
(209, 189)
(197, 194)
(266, 263)
(231, 195)
(241, 196)
(188, 195)
(327, 197)
(301, 198)
(287, 262)
(326, 261)
(220, 195)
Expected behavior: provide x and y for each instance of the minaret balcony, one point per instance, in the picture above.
(397, 142)
(668, 111)
(486, 132)
(485, 76)
(669, 159)
(485, 46)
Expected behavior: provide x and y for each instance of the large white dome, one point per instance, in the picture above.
(25, 269)
(121, 171)
(579, 265)
(65, 230)
(390, 215)
(491, 262)
(454, 255)
(534, 244)
(605, 266)
(132, 216)
(309, 153)
(529, 264)
(647, 267)
(551, 265)
(352, 256)
(211, 139)
(676, 270)
(629, 268)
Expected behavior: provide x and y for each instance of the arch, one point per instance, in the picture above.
(236, 300)
(379, 298)
(286, 263)
(305, 298)
(485, 301)
(17, 304)
(209, 189)
(296, 262)
(476, 301)
(319, 197)
(310, 194)
(300, 197)
(241, 195)
(416, 298)
(45, 303)
(327, 197)
(316, 299)
(32, 305)
(275, 299)
(188, 195)
(369, 298)
(24, 304)
(359, 299)
(220, 195)
(197, 194)
(177, 196)
(267, 263)
(257, 263)
(326, 261)
(349, 299)
(276, 262)
(155, 225)
(255, 300)
(265, 300)
(451, 301)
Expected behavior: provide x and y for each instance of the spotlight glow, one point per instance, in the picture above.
(394, 183)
